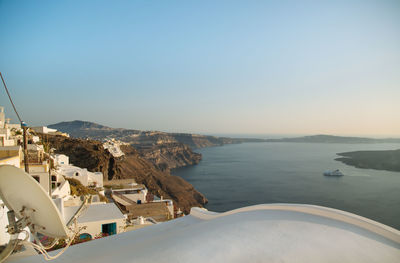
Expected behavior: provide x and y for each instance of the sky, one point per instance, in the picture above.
(237, 67)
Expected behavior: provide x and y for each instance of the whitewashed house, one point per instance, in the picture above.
(5, 130)
(81, 174)
(62, 191)
(60, 159)
(113, 147)
(40, 172)
(136, 193)
(99, 219)
(43, 129)
(5, 137)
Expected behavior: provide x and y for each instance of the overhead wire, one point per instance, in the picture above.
(9, 96)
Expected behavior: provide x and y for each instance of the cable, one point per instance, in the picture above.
(42, 249)
(12, 103)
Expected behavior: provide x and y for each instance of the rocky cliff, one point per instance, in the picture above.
(165, 150)
(168, 156)
(90, 154)
(85, 129)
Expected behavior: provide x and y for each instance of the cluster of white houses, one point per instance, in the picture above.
(128, 208)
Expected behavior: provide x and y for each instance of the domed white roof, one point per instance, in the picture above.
(263, 233)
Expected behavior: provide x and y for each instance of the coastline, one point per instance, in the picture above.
(386, 160)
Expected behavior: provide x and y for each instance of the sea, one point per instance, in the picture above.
(238, 175)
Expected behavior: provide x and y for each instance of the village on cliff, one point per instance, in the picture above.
(110, 207)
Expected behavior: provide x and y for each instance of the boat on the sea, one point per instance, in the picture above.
(333, 173)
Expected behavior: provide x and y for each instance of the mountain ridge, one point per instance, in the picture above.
(91, 130)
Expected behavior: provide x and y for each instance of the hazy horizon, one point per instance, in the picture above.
(245, 135)
(209, 67)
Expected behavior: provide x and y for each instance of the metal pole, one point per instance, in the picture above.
(25, 148)
(50, 181)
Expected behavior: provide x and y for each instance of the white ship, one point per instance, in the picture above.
(333, 173)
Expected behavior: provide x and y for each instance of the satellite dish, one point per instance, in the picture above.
(24, 195)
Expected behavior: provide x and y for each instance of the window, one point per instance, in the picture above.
(109, 229)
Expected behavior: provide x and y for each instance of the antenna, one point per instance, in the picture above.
(30, 204)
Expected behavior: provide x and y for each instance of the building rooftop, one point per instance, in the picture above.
(95, 212)
(158, 211)
(263, 233)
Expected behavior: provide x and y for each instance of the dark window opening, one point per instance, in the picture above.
(109, 229)
(37, 178)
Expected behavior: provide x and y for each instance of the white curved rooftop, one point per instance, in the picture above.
(263, 233)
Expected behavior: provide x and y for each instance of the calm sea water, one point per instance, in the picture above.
(234, 176)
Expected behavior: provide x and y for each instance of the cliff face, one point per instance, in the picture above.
(169, 155)
(85, 129)
(90, 154)
(165, 150)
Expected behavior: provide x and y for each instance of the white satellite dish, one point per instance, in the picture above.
(24, 195)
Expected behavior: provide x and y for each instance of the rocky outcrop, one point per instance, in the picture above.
(168, 156)
(90, 154)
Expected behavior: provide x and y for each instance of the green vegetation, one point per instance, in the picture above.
(78, 189)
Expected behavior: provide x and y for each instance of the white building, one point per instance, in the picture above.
(43, 129)
(40, 172)
(2, 117)
(81, 174)
(113, 147)
(5, 137)
(99, 219)
(137, 194)
(5, 130)
(60, 159)
(63, 191)
(11, 155)
(263, 233)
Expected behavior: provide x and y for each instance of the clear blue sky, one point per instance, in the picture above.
(293, 67)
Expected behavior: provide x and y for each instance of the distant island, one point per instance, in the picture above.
(388, 160)
(334, 139)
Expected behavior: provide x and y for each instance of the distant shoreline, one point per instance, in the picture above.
(388, 160)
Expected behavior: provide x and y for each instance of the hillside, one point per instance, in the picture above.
(85, 129)
(379, 160)
(165, 150)
(90, 154)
